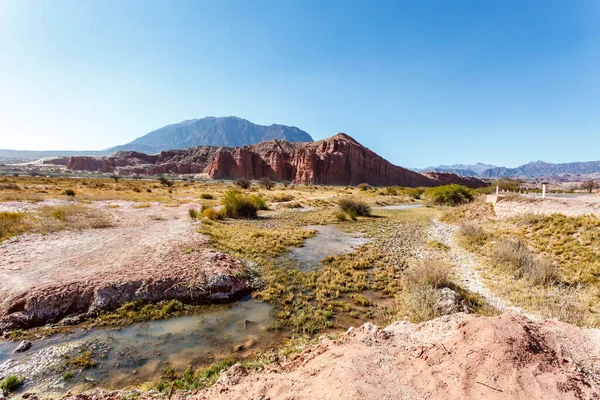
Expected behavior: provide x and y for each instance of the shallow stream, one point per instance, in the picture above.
(138, 353)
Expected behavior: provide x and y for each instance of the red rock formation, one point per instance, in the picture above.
(338, 160)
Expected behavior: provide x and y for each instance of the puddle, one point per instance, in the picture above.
(137, 353)
(328, 241)
(399, 207)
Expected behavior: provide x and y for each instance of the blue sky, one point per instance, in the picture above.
(420, 82)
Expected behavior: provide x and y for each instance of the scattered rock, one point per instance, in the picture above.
(233, 375)
(23, 346)
(448, 302)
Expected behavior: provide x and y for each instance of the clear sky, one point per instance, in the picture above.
(420, 82)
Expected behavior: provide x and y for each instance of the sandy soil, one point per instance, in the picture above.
(151, 253)
(453, 357)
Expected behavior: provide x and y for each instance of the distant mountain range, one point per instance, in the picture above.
(534, 169)
(211, 131)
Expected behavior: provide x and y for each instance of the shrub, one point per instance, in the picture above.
(473, 233)
(137, 189)
(415, 193)
(282, 197)
(391, 191)
(193, 213)
(149, 190)
(341, 216)
(520, 259)
(165, 182)
(364, 187)
(243, 183)
(429, 272)
(237, 205)
(11, 224)
(212, 214)
(266, 182)
(11, 383)
(69, 192)
(207, 196)
(354, 208)
(259, 202)
(448, 195)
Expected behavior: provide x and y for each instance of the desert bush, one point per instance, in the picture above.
(419, 305)
(212, 214)
(243, 183)
(11, 224)
(415, 193)
(137, 189)
(237, 205)
(429, 272)
(364, 187)
(473, 233)
(11, 383)
(354, 208)
(69, 192)
(448, 195)
(266, 182)
(165, 182)
(259, 202)
(282, 197)
(207, 196)
(515, 254)
(9, 186)
(193, 213)
(341, 216)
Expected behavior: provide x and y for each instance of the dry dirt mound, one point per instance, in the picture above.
(151, 253)
(455, 357)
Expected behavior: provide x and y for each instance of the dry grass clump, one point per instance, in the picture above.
(11, 224)
(354, 207)
(49, 219)
(207, 196)
(472, 234)
(477, 211)
(571, 242)
(429, 272)
(420, 283)
(282, 197)
(517, 257)
(212, 214)
(253, 242)
(237, 205)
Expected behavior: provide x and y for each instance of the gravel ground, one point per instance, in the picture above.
(467, 268)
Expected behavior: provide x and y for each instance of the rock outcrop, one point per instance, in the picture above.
(338, 160)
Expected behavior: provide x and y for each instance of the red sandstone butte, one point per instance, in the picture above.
(338, 160)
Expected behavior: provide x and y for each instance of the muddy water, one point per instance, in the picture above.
(138, 353)
(328, 241)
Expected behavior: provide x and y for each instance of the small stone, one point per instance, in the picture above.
(23, 346)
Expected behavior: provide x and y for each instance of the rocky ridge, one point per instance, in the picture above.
(338, 160)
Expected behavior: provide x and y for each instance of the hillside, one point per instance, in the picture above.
(211, 131)
(338, 160)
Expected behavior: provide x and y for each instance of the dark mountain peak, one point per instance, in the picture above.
(212, 131)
